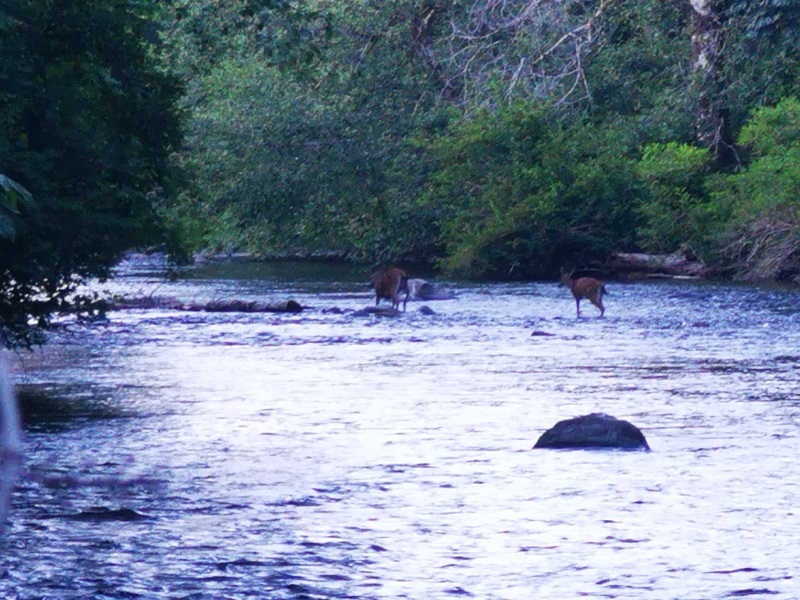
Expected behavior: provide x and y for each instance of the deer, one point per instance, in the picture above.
(388, 284)
(584, 287)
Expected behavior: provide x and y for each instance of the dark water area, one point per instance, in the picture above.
(174, 454)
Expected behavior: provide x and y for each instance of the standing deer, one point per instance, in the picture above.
(388, 284)
(584, 287)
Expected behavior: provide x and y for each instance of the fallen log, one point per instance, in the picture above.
(252, 306)
(632, 265)
(145, 302)
(168, 303)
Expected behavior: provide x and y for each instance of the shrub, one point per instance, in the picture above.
(761, 237)
(518, 196)
(672, 213)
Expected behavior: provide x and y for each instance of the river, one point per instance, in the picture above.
(194, 455)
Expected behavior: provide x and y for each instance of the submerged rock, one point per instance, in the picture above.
(379, 311)
(597, 430)
(103, 513)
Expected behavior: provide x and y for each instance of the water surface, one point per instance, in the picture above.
(203, 455)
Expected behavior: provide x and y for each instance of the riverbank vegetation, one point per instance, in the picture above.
(493, 139)
(88, 121)
(487, 138)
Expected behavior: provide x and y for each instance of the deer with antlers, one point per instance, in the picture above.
(589, 288)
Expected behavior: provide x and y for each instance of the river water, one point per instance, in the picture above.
(199, 455)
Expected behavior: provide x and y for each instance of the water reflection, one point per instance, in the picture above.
(326, 456)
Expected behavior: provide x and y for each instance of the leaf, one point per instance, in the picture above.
(13, 194)
(6, 227)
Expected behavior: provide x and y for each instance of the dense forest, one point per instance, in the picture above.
(489, 138)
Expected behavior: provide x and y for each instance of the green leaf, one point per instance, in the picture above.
(13, 195)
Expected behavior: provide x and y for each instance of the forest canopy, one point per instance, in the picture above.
(87, 124)
(488, 138)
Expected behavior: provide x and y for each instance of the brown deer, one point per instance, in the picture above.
(584, 287)
(388, 284)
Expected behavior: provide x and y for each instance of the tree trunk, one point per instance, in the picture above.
(712, 115)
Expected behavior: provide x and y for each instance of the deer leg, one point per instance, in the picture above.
(598, 302)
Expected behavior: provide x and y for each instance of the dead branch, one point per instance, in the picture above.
(536, 46)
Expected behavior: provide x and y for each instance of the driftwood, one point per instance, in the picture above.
(288, 306)
(167, 303)
(682, 264)
(145, 302)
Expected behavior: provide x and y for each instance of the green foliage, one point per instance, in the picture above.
(13, 197)
(761, 59)
(673, 212)
(417, 130)
(772, 131)
(519, 196)
(310, 128)
(87, 126)
(638, 74)
(271, 161)
(761, 235)
(292, 154)
(198, 35)
(765, 18)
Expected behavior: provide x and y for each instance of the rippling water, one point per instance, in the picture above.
(321, 455)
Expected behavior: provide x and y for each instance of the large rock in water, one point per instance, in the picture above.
(424, 290)
(596, 430)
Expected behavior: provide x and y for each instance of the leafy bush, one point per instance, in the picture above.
(87, 126)
(761, 237)
(518, 196)
(677, 200)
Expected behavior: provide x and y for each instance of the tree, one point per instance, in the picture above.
(522, 49)
(712, 115)
(743, 55)
(398, 130)
(761, 228)
(298, 130)
(520, 195)
(672, 213)
(87, 125)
